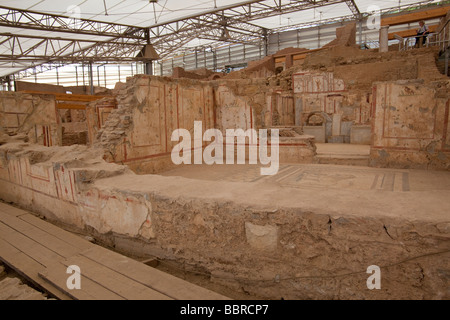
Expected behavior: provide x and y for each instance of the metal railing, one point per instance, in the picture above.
(443, 36)
(444, 39)
(440, 38)
(414, 42)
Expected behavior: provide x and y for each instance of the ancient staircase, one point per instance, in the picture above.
(343, 154)
(443, 38)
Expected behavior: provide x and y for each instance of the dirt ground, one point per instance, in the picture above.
(14, 287)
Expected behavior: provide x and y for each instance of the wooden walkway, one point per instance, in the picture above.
(41, 252)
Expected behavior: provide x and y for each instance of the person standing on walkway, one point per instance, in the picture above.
(422, 34)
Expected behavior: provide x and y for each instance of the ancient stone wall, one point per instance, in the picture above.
(138, 133)
(297, 248)
(97, 113)
(50, 88)
(32, 115)
(410, 125)
(300, 247)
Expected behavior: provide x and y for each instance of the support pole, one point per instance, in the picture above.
(384, 39)
(98, 76)
(447, 56)
(360, 27)
(84, 77)
(76, 74)
(149, 67)
(91, 77)
(8, 80)
(266, 42)
(196, 59)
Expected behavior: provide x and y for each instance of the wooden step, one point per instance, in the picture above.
(42, 252)
(171, 286)
(102, 283)
(56, 275)
(28, 268)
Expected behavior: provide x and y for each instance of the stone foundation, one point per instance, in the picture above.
(274, 242)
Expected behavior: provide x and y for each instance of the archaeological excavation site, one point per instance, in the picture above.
(224, 150)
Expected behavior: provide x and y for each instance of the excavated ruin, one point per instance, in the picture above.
(103, 171)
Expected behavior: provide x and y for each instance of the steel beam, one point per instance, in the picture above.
(354, 8)
(111, 42)
(32, 20)
(237, 20)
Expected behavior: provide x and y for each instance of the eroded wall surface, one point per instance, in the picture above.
(32, 115)
(138, 133)
(410, 125)
(274, 243)
(335, 84)
(320, 103)
(287, 242)
(97, 114)
(234, 111)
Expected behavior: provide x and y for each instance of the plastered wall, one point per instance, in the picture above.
(410, 125)
(32, 115)
(288, 249)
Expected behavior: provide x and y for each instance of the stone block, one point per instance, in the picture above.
(261, 237)
(10, 121)
(24, 106)
(336, 139)
(361, 135)
(347, 139)
(318, 132)
(346, 128)
(336, 129)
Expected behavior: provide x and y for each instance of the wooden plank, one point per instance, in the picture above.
(49, 241)
(29, 247)
(68, 97)
(79, 96)
(90, 290)
(107, 275)
(415, 17)
(71, 106)
(59, 233)
(299, 52)
(300, 56)
(409, 33)
(114, 281)
(27, 268)
(167, 284)
(13, 211)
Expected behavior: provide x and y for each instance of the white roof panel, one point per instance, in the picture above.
(142, 13)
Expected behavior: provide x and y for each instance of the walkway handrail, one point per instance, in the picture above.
(444, 36)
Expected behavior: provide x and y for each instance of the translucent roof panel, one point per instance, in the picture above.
(144, 13)
(130, 12)
(330, 12)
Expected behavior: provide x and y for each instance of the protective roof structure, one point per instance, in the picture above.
(36, 32)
